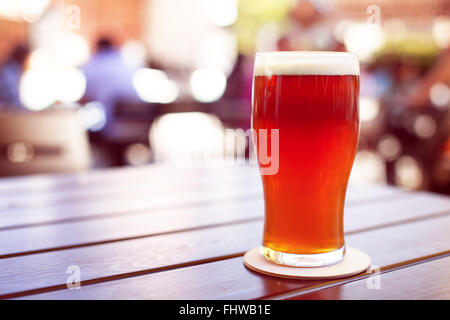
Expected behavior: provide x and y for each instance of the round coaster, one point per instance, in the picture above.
(355, 261)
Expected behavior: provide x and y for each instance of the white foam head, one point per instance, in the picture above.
(306, 63)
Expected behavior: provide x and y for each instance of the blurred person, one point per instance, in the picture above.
(10, 72)
(239, 81)
(309, 31)
(439, 72)
(239, 89)
(421, 130)
(437, 159)
(108, 81)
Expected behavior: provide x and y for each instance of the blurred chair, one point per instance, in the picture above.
(42, 142)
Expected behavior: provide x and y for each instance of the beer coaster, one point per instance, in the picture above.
(355, 261)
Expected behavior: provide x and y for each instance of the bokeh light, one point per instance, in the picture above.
(364, 39)
(31, 10)
(28, 10)
(424, 126)
(368, 167)
(440, 95)
(389, 147)
(93, 116)
(187, 138)
(217, 51)
(368, 108)
(408, 173)
(41, 87)
(208, 85)
(154, 86)
(137, 154)
(20, 152)
(72, 50)
(134, 53)
(441, 31)
(222, 12)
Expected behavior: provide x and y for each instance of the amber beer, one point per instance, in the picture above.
(312, 99)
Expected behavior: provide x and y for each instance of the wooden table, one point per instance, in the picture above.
(165, 233)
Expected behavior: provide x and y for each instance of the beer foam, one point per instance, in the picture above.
(306, 63)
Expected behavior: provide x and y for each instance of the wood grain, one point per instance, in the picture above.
(147, 182)
(140, 203)
(165, 233)
(428, 280)
(147, 223)
(194, 196)
(42, 210)
(226, 278)
(43, 183)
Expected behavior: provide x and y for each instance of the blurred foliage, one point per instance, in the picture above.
(255, 13)
(418, 48)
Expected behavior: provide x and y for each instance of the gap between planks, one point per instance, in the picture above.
(383, 270)
(287, 295)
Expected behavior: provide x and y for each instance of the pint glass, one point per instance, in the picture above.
(311, 100)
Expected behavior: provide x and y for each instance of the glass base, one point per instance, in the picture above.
(303, 260)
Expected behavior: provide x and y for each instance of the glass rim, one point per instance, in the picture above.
(305, 53)
(306, 63)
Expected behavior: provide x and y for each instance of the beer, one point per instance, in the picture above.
(312, 99)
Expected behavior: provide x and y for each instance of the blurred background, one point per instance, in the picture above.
(87, 84)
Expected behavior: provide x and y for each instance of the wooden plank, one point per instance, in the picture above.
(100, 177)
(428, 280)
(143, 182)
(133, 203)
(399, 209)
(127, 257)
(40, 182)
(129, 187)
(123, 227)
(223, 279)
(186, 196)
(60, 236)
